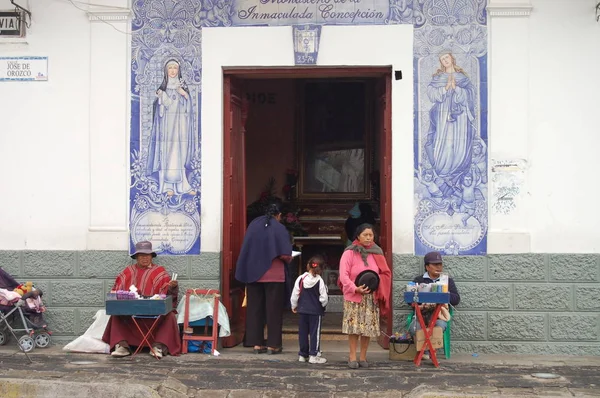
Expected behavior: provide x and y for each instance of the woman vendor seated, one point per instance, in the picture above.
(149, 279)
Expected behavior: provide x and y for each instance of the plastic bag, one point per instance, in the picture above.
(200, 346)
(91, 341)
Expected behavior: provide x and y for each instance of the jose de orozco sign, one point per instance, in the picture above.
(23, 68)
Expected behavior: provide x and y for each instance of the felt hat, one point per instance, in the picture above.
(368, 278)
(433, 258)
(143, 247)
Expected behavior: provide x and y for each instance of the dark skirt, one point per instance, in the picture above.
(121, 328)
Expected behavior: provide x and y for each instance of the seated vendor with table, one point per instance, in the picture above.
(433, 271)
(122, 332)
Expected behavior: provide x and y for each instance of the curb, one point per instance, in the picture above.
(17, 388)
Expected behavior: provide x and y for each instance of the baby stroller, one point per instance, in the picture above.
(22, 315)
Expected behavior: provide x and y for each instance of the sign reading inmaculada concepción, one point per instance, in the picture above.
(251, 12)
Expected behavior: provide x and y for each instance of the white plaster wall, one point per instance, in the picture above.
(543, 110)
(45, 135)
(110, 49)
(340, 46)
(508, 121)
(564, 133)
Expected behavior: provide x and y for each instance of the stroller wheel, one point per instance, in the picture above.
(3, 338)
(42, 340)
(26, 343)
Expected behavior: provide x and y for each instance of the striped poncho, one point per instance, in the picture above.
(149, 281)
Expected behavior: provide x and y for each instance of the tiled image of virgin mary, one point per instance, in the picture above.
(172, 139)
(452, 118)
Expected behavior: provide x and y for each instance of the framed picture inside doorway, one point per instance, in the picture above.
(335, 139)
(331, 280)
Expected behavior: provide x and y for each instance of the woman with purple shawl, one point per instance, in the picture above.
(262, 266)
(451, 132)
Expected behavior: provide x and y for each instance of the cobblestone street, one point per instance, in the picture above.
(237, 373)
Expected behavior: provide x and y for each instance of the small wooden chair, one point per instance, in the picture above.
(188, 331)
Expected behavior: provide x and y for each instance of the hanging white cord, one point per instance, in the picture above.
(97, 17)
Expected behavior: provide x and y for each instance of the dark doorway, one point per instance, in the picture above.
(272, 142)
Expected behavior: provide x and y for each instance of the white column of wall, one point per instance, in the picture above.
(109, 127)
(508, 120)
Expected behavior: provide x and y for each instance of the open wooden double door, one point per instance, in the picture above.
(235, 112)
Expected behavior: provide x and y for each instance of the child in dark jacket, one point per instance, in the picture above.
(309, 299)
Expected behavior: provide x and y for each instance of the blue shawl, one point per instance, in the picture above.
(261, 246)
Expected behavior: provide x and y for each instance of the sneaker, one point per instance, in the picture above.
(316, 359)
(319, 353)
(426, 356)
(157, 352)
(302, 359)
(120, 351)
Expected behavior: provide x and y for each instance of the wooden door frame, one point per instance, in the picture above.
(228, 292)
(385, 201)
(246, 73)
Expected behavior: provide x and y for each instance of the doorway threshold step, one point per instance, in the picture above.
(294, 329)
(324, 337)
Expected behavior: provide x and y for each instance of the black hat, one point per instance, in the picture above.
(433, 258)
(368, 278)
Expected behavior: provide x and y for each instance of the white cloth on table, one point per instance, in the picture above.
(200, 308)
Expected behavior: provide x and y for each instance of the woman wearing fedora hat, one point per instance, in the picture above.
(149, 279)
(365, 279)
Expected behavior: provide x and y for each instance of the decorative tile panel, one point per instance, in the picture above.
(450, 169)
(306, 43)
(450, 56)
(165, 122)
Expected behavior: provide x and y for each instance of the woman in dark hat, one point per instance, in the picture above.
(262, 266)
(149, 279)
(362, 305)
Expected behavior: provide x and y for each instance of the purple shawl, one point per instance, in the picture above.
(261, 246)
(7, 281)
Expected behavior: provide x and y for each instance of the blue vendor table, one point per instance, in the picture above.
(427, 297)
(141, 308)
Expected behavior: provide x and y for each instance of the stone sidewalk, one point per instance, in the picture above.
(237, 373)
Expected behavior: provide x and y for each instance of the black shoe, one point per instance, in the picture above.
(273, 351)
(261, 350)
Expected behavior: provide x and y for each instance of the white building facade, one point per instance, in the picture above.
(80, 187)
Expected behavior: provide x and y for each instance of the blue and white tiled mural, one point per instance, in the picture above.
(165, 126)
(450, 113)
(450, 91)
